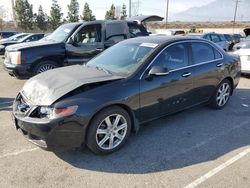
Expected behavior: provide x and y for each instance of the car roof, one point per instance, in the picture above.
(160, 39)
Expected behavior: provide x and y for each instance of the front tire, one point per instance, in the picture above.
(44, 66)
(109, 130)
(221, 95)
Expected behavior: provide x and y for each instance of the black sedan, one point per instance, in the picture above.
(99, 104)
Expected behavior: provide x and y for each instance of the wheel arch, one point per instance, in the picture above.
(134, 122)
(230, 79)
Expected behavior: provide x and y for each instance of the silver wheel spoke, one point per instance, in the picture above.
(102, 131)
(111, 142)
(120, 127)
(106, 137)
(119, 136)
(108, 122)
(117, 119)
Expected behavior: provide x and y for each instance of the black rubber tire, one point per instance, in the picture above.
(42, 63)
(213, 101)
(91, 134)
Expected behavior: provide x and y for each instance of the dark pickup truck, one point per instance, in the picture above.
(72, 43)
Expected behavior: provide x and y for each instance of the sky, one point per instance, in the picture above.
(99, 7)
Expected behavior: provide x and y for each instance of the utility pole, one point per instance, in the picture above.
(13, 13)
(167, 12)
(129, 7)
(235, 13)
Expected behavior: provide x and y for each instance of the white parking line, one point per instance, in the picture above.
(17, 152)
(218, 169)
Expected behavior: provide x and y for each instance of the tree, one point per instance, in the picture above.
(110, 15)
(87, 13)
(55, 15)
(41, 21)
(2, 16)
(73, 12)
(124, 12)
(24, 14)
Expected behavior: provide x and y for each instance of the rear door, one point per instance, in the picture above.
(208, 68)
(87, 44)
(169, 93)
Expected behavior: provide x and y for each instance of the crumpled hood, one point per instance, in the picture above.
(44, 89)
(24, 45)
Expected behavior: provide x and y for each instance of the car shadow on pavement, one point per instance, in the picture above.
(6, 104)
(191, 137)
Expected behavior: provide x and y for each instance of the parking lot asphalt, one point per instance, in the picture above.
(198, 147)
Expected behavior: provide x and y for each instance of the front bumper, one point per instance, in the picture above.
(18, 71)
(51, 135)
(63, 133)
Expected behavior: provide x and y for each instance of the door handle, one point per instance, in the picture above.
(186, 74)
(219, 65)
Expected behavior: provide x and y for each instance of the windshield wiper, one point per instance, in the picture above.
(103, 69)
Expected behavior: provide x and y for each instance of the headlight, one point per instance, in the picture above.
(53, 113)
(2, 46)
(15, 57)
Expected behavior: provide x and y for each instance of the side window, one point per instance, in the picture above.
(202, 52)
(89, 34)
(174, 57)
(217, 54)
(207, 37)
(117, 38)
(215, 38)
(134, 31)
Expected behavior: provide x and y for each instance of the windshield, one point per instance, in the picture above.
(123, 59)
(19, 37)
(61, 33)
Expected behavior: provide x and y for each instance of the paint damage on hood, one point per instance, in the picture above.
(44, 89)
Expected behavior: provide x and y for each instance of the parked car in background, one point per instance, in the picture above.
(131, 83)
(243, 43)
(14, 37)
(244, 53)
(237, 38)
(219, 39)
(27, 37)
(231, 41)
(72, 43)
(7, 34)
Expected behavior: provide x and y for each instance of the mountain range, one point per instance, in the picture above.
(218, 10)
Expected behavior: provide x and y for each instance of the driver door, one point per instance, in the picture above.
(170, 92)
(85, 44)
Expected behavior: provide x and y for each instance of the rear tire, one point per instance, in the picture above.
(44, 66)
(109, 130)
(222, 95)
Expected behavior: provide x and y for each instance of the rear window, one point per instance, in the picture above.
(215, 38)
(203, 52)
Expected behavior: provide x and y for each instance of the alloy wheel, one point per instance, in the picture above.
(45, 67)
(223, 94)
(111, 131)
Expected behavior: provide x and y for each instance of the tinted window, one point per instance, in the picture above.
(222, 37)
(215, 38)
(89, 34)
(202, 53)
(207, 37)
(217, 54)
(174, 57)
(134, 31)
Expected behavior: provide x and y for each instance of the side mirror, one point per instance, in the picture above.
(158, 71)
(109, 43)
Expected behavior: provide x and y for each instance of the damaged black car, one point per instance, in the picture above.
(99, 104)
